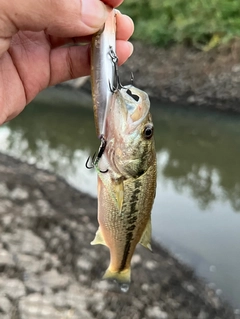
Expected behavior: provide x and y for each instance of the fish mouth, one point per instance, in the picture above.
(136, 104)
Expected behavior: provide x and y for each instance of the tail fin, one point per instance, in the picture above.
(123, 278)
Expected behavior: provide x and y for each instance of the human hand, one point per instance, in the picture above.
(32, 35)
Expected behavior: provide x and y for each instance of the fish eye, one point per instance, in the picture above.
(134, 96)
(148, 131)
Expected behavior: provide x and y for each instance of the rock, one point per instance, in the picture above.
(5, 305)
(6, 259)
(145, 287)
(236, 68)
(60, 300)
(31, 244)
(191, 99)
(77, 299)
(189, 287)
(30, 264)
(29, 210)
(156, 313)
(84, 264)
(97, 302)
(33, 283)
(109, 314)
(5, 206)
(43, 207)
(51, 260)
(36, 306)
(4, 191)
(7, 220)
(19, 193)
(24, 241)
(54, 280)
(173, 98)
(13, 288)
(202, 315)
(151, 264)
(136, 259)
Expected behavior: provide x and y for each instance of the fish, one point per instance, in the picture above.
(126, 191)
(126, 160)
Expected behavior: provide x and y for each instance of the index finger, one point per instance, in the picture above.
(125, 29)
(113, 3)
(57, 17)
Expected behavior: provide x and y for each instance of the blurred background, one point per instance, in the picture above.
(202, 24)
(196, 214)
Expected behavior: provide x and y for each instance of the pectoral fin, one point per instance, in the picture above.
(146, 236)
(98, 240)
(119, 195)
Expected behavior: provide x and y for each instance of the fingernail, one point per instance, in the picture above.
(131, 48)
(129, 19)
(94, 13)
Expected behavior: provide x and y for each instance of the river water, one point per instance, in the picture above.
(196, 214)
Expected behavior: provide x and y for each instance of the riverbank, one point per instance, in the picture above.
(184, 76)
(48, 269)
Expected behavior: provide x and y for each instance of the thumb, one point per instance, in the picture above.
(62, 18)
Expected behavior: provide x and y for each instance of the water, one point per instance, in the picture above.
(124, 287)
(196, 211)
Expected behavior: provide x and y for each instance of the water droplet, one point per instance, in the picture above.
(124, 287)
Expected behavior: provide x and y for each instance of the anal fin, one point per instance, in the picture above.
(98, 240)
(146, 236)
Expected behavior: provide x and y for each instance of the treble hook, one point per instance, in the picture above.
(92, 161)
(95, 159)
(132, 78)
(117, 83)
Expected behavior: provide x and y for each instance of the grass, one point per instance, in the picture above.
(201, 23)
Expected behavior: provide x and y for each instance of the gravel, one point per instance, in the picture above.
(48, 269)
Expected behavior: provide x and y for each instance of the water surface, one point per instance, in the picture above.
(196, 211)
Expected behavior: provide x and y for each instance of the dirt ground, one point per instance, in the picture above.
(48, 269)
(183, 75)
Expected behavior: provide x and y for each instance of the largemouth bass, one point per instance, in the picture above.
(126, 190)
(126, 165)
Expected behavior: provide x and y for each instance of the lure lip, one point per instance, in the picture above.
(103, 71)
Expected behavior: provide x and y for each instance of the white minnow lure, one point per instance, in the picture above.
(102, 70)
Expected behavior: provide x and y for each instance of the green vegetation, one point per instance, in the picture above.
(201, 23)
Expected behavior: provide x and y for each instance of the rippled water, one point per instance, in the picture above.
(196, 211)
